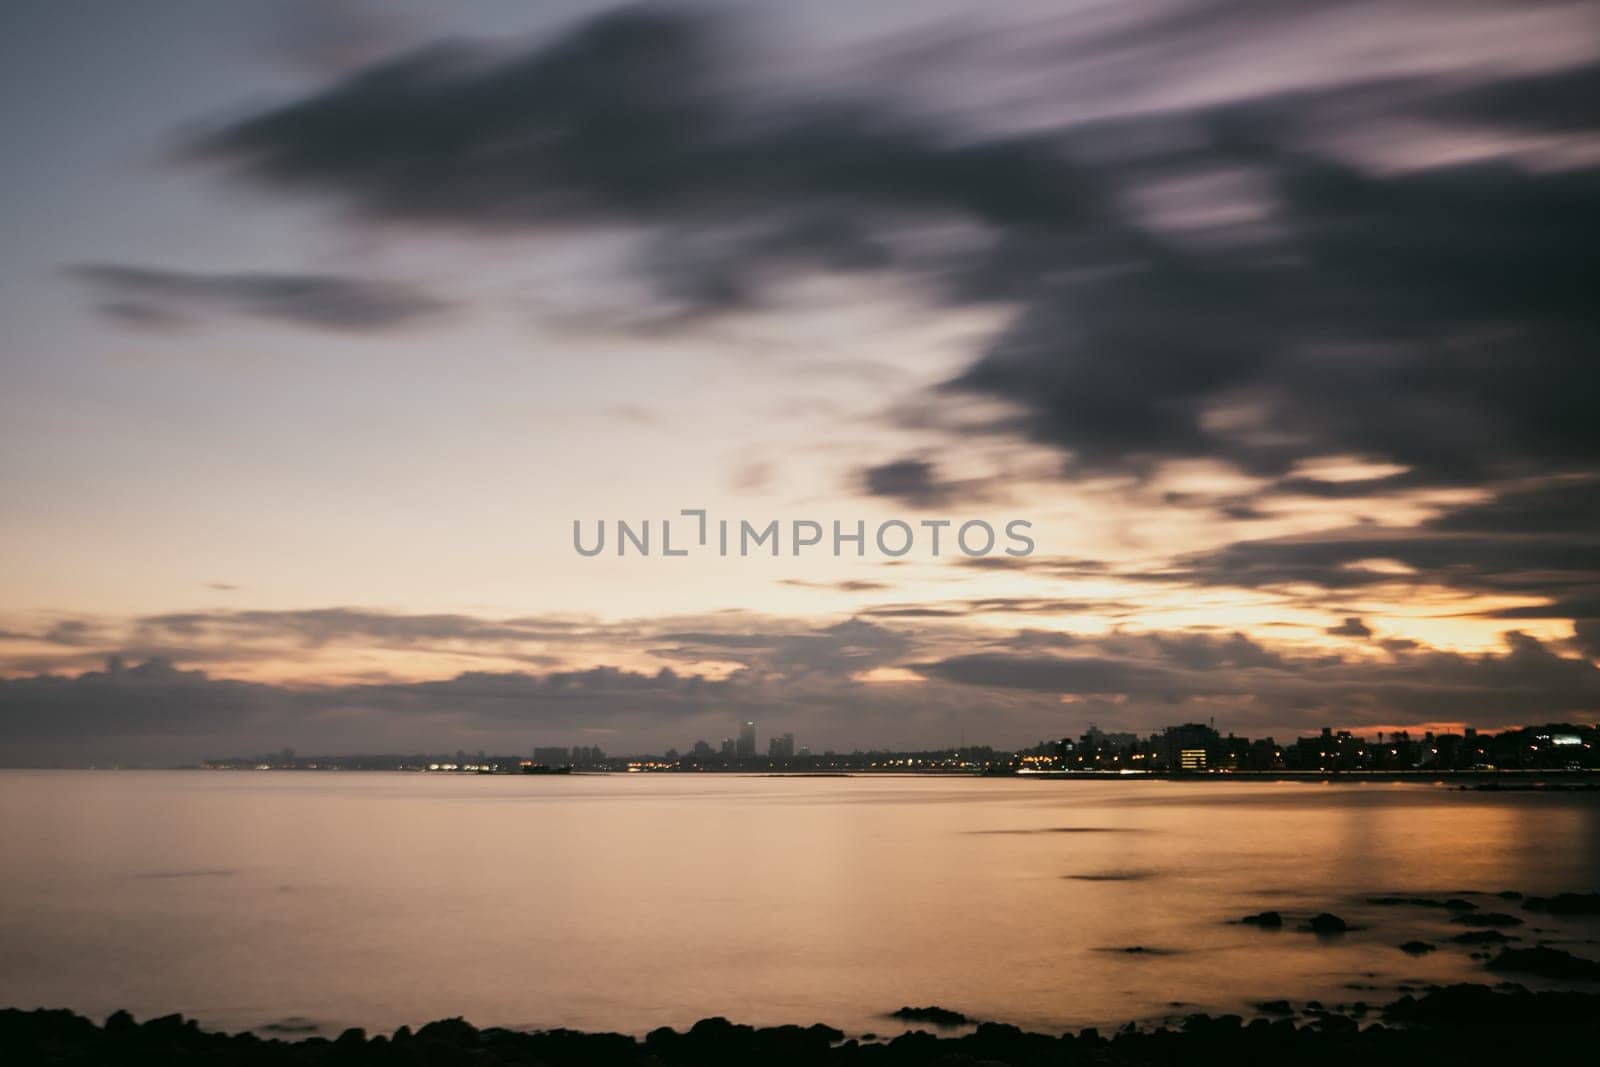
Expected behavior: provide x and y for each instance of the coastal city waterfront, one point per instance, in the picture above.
(1187, 749)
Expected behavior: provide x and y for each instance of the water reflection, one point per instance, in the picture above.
(627, 903)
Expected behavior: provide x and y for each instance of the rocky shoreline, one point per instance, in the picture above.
(1459, 1024)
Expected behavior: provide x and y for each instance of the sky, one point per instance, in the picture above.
(326, 321)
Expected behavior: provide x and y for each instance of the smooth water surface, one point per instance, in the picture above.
(630, 901)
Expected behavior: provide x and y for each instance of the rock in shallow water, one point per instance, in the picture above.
(1566, 904)
(1328, 923)
(1267, 919)
(931, 1014)
(1481, 937)
(1487, 918)
(1547, 963)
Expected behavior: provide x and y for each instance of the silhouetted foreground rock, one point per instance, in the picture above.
(1464, 1024)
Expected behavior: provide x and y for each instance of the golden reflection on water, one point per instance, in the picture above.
(627, 902)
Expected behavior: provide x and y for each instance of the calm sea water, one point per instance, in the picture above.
(628, 902)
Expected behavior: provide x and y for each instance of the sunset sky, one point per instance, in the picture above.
(325, 321)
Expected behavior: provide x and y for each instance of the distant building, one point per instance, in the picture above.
(781, 747)
(1191, 737)
(730, 748)
(552, 756)
(747, 741)
(1265, 755)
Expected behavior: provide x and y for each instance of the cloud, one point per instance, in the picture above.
(1351, 627)
(166, 299)
(917, 483)
(849, 585)
(1539, 542)
(1257, 686)
(1053, 606)
(1282, 299)
(1253, 270)
(321, 626)
(816, 678)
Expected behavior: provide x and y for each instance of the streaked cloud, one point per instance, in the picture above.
(154, 298)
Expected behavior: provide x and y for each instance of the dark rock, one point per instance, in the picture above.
(1566, 904)
(1267, 919)
(1486, 918)
(1275, 1007)
(932, 1014)
(1464, 1024)
(1417, 948)
(454, 1031)
(294, 1024)
(1482, 937)
(1453, 904)
(168, 1025)
(1547, 963)
(1328, 923)
(1509, 894)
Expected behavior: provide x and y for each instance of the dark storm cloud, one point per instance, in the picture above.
(1020, 687)
(1541, 543)
(1023, 685)
(156, 707)
(1436, 317)
(634, 118)
(1261, 272)
(632, 115)
(1257, 686)
(915, 482)
(1351, 627)
(1560, 100)
(165, 299)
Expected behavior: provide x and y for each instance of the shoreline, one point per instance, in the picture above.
(1512, 778)
(1465, 1023)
